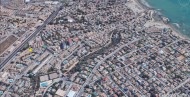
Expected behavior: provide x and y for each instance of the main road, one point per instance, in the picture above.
(38, 29)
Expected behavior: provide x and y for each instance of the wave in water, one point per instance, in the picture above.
(144, 2)
(176, 24)
(159, 9)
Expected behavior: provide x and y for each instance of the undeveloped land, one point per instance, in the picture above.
(5, 44)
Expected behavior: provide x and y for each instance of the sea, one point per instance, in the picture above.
(178, 11)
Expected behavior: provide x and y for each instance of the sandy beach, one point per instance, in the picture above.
(137, 6)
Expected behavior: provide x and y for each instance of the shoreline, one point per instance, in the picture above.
(174, 29)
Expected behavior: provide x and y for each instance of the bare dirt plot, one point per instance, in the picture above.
(5, 44)
(1, 60)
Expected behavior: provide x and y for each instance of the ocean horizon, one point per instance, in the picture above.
(178, 11)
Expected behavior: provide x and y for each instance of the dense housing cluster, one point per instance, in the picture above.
(99, 48)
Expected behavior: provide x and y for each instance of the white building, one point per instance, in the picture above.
(26, 1)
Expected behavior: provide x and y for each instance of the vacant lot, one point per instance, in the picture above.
(5, 44)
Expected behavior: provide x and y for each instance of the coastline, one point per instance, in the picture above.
(174, 29)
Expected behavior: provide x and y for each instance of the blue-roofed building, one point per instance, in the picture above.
(71, 93)
(65, 62)
(44, 46)
(43, 84)
(19, 65)
(10, 80)
(1, 92)
(38, 62)
(89, 95)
